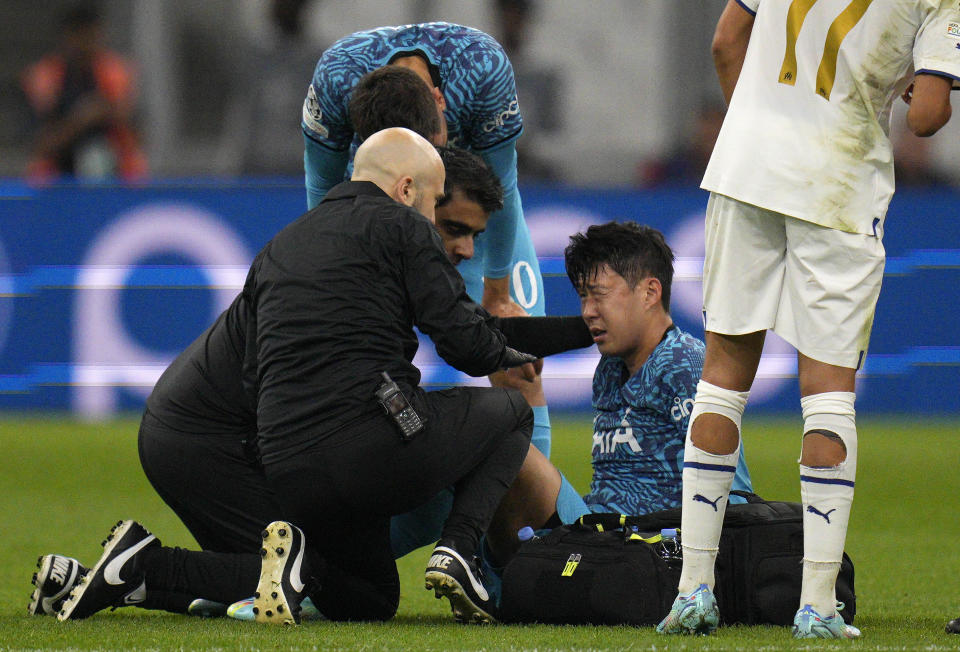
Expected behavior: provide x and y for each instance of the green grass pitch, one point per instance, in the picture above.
(64, 483)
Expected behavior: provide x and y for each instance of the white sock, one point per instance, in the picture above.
(706, 487)
(819, 586)
(827, 495)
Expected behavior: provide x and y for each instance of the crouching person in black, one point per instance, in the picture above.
(328, 307)
(196, 445)
(334, 299)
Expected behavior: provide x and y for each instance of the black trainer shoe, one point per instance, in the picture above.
(450, 575)
(55, 578)
(281, 588)
(117, 579)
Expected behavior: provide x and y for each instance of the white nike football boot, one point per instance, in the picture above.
(281, 588)
(118, 578)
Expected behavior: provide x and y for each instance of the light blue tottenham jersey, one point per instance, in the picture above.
(482, 114)
(476, 80)
(640, 427)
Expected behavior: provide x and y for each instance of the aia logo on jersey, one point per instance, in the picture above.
(681, 408)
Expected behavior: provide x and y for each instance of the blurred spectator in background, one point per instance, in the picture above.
(539, 88)
(262, 133)
(82, 97)
(687, 164)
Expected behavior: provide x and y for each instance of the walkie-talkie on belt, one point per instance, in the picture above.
(398, 407)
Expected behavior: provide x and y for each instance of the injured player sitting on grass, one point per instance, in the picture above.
(647, 375)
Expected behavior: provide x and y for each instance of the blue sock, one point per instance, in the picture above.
(492, 575)
(570, 505)
(421, 526)
(541, 430)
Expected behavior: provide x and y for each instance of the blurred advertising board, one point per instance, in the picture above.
(102, 285)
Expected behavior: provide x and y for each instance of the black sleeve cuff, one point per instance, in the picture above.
(543, 336)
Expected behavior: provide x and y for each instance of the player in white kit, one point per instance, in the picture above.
(799, 181)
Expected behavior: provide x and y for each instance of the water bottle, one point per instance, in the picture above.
(670, 549)
(526, 533)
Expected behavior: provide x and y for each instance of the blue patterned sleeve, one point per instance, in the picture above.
(502, 227)
(679, 376)
(484, 80)
(491, 125)
(325, 118)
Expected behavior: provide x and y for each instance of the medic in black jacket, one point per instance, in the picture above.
(328, 306)
(337, 294)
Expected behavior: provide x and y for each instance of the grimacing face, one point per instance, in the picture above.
(615, 313)
(459, 221)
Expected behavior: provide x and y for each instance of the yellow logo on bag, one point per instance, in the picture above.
(571, 565)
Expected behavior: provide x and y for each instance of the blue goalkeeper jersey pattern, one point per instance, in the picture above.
(640, 426)
(482, 114)
(475, 75)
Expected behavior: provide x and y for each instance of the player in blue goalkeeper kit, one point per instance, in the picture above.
(472, 83)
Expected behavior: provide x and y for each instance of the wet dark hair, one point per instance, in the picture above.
(632, 250)
(471, 175)
(432, 69)
(393, 96)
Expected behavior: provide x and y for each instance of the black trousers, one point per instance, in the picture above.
(217, 488)
(342, 491)
(341, 494)
(213, 482)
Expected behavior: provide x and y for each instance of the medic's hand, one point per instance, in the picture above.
(513, 358)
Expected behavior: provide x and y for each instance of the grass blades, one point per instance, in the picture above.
(63, 483)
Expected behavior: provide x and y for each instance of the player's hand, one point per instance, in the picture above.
(518, 377)
(908, 94)
(497, 299)
(527, 372)
(505, 308)
(513, 358)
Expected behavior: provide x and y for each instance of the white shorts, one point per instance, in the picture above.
(815, 287)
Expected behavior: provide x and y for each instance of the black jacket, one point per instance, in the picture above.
(201, 391)
(335, 296)
(212, 386)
